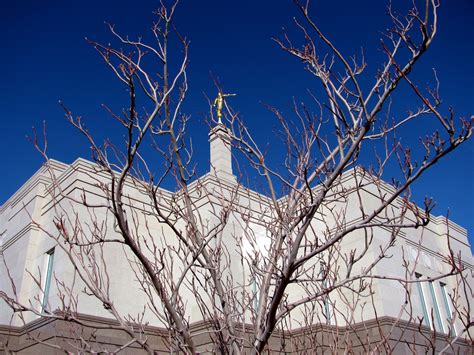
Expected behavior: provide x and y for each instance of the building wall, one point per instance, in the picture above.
(31, 214)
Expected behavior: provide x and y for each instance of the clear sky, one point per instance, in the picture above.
(44, 58)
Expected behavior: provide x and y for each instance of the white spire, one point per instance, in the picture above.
(221, 155)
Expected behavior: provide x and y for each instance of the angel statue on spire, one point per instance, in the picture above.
(219, 104)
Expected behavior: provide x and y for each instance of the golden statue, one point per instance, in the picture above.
(219, 103)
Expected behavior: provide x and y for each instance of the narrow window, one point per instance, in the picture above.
(326, 305)
(426, 318)
(256, 294)
(448, 308)
(48, 277)
(437, 313)
(326, 301)
(327, 309)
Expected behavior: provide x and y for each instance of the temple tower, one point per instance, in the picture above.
(221, 155)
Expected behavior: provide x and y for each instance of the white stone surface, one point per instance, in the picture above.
(24, 244)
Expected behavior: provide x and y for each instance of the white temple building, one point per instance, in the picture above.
(36, 269)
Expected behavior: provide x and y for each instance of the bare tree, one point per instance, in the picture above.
(309, 255)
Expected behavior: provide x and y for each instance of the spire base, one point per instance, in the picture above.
(221, 154)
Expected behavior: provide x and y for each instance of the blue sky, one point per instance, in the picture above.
(44, 58)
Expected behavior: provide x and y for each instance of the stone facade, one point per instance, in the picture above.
(26, 249)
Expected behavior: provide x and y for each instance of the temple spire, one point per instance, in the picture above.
(220, 142)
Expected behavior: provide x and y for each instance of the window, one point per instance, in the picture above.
(47, 279)
(448, 308)
(327, 309)
(426, 318)
(256, 294)
(437, 314)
